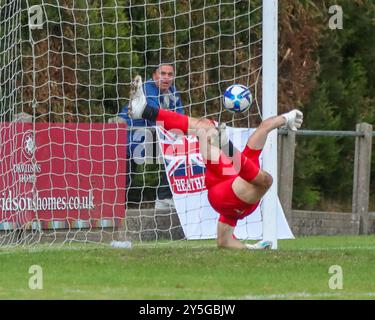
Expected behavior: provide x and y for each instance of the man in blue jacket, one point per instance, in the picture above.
(160, 93)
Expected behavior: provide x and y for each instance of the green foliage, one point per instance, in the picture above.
(344, 96)
(202, 42)
(89, 44)
(9, 59)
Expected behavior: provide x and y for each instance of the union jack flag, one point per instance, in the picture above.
(181, 154)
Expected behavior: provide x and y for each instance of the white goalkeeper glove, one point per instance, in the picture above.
(293, 119)
(138, 100)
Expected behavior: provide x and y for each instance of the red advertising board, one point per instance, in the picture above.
(61, 173)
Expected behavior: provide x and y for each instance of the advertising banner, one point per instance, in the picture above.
(61, 175)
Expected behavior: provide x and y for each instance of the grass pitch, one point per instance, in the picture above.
(299, 269)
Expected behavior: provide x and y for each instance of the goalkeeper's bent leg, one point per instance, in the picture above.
(252, 183)
(225, 237)
(247, 168)
(252, 154)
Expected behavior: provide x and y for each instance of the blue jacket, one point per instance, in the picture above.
(154, 99)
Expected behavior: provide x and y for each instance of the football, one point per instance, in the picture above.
(237, 98)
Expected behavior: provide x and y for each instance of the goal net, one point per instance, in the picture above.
(69, 170)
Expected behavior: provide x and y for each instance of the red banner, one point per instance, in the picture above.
(61, 173)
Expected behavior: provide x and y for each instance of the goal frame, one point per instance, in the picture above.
(269, 109)
(268, 10)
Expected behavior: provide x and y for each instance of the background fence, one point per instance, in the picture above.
(303, 222)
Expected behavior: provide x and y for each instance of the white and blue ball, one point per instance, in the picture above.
(237, 98)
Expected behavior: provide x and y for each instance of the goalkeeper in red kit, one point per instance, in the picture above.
(234, 180)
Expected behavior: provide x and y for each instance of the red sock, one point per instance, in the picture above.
(253, 155)
(173, 120)
(247, 168)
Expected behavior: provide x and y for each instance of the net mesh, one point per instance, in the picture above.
(66, 67)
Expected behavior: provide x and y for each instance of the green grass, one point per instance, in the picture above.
(193, 270)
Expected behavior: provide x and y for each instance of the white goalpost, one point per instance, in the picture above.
(269, 96)
(69, 165)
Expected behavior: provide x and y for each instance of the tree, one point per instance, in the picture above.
(344, 96)
(83, 61)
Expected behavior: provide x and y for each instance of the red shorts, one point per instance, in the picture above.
(219, 180)
(227, 204)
